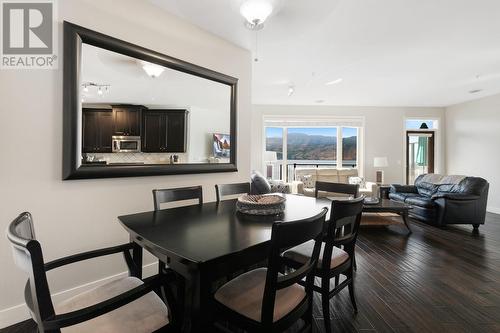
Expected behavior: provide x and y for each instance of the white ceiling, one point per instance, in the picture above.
(129, 84)
(388, 52)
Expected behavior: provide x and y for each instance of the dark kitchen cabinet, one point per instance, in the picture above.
(164, 131)
(97, 129)
(127, 120)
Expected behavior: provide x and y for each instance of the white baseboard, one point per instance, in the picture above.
(495, 210)
(18, 313)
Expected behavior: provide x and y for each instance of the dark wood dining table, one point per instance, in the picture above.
(204, 243)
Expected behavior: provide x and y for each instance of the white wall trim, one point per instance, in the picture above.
(20, 312)
(494, 210)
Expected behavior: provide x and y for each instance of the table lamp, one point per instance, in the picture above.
(270, 157)
(380, 162)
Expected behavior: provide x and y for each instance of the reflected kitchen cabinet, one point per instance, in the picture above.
(127, 120)
(97, 130)
(164, 131)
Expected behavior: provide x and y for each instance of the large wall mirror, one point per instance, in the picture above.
(130, 111)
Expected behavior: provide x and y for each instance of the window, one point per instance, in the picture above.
(274, 141)
(318, 144)
(349, 147)
(312, 144)
(416, 124)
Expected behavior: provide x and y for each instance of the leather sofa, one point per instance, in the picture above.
(441, 200)
(305, 180)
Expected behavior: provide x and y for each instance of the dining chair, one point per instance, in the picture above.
(337, 188)
(222, 190)
(263, 300)
(334, 260)
(177, 194)
(173, 195)
(123, 305)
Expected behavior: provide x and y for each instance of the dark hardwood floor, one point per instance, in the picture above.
(434, 280)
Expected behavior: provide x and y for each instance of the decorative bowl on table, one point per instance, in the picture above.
(261, 204)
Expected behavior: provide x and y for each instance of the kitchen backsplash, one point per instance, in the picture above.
(147, 158)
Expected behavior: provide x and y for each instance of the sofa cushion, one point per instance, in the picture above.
(402, 196)
(260, 185)
(344, 174)
(329, 175)
(427, 189)
(423, 202)
(304, 172)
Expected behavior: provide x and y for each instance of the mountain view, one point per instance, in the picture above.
(303, 146)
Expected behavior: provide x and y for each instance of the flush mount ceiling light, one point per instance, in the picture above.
(337, 81)
(153, 70)
(255, 13)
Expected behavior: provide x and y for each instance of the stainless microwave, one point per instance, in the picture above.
(126, 144)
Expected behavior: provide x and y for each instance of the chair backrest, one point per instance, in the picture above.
(222, 190)
(345, 218)
(177, 194)
(350, 189)
(285, 235)
(28, 256)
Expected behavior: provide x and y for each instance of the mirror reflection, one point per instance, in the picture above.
(135, 112)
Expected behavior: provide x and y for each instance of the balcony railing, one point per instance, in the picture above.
(286, 171)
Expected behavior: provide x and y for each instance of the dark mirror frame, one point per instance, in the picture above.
(74, 36)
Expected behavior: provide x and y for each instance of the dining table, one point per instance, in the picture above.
(205, 243)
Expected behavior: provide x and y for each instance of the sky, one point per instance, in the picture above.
(327, 131)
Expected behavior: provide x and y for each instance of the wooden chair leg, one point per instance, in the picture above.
(337, 280)
(351, 292)
(325, 302)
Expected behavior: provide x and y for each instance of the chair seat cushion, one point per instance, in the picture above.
(145, 314)
(421, 202)
(244, 295)
(302, 253)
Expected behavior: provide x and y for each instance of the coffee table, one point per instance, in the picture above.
(389, 206)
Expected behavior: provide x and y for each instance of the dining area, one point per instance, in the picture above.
(245, 261)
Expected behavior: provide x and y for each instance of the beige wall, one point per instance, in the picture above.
(473, 143)
(73, 216)
(384, 133)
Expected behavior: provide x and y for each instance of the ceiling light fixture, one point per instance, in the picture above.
(86, 88)
(291, 90)
(153, 70)
(99, 91)
(337, 81)
(255, 13)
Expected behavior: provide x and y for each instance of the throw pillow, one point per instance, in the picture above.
(260, 185)
(307, 180)
(357, 181)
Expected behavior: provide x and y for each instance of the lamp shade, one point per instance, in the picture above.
(380, 162)
(270, 156)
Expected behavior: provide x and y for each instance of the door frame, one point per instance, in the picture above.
(432, 145)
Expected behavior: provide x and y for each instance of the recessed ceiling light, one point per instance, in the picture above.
(475, 91)
(334, 82)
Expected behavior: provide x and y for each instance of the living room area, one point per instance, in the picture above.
(258, 165)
